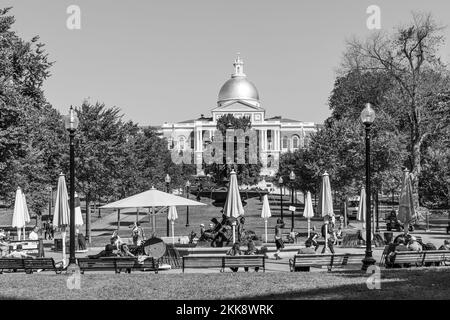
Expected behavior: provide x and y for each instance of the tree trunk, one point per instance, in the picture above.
(416, 170)
(88, 221)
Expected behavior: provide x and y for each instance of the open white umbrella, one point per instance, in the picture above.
(61, 216)
(309, 211)
(233, 205)
(172, 216)
(265, 214)
(150, 199)
(361, 216)
(406, 211)
(20, 215)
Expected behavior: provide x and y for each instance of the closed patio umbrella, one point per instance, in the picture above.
(233, 205)
(20, 214)
(61, 216)
(172, 216)
(308, 211)
(406, 211)
(265, 214)
(326, 202)
(78, 216)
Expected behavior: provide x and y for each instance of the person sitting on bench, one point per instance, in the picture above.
(251, 250)
(234, 251)
(308, 249)
(124, 251)
(108, 252)
(445, 246)
(313, 236)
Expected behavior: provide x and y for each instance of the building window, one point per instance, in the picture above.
(170, 143)
(295, 142)
(181, 143)
(257, 117)
(285, 143)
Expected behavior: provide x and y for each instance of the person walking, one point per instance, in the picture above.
(278, 240)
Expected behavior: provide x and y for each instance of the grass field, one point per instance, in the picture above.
(427, 283)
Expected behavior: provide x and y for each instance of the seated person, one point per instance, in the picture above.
(124, 251)
(251, 250)
(339, 233)
(234, 251)
(445, 246)
(396, 247)
(34, 234)
(413, 244)
(18, 253)
(307, 250)
(2, 235)
(108, 252)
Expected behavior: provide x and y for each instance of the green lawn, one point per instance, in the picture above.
(418, 283)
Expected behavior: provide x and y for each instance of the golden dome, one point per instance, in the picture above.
(238, 87)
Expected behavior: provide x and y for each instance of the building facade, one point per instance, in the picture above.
(239, 96)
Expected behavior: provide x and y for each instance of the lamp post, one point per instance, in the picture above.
(367, 118)
(292, 178)
(188, 187)
(280, 182)
(71, 124)
(167, 180)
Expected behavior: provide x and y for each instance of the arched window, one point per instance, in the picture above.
(181, 143)
(285, 143)
(295, 142)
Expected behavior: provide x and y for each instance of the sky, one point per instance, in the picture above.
(165, 61)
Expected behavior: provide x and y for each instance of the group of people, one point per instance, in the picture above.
(251, 250)
(328, 231)
(409, 242)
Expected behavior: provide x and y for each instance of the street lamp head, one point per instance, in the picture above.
(292, 175)
(167, 178)
(71, 120)
(367, 115)
(280, 181)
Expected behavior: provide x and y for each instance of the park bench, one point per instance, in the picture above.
(303, 262)
(222, 262)
(41, 264)
(202, 261)
(148, 264)
(117, 264)
(245, 261)
(420, 258)
(13, 264)
(107, 264)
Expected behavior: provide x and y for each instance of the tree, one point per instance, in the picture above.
(31, 130)
(410, 58)
(247, 173)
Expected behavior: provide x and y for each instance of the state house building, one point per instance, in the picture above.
(239, 96)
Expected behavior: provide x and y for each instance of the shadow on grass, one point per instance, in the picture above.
(420, 283)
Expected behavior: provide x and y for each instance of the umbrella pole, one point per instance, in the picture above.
(326, 238)
(265, 223)
(309, 227)
(153, 220)
(234, 238)
(24, 233)
(63, 233)
(19, 233)
(173, 233)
